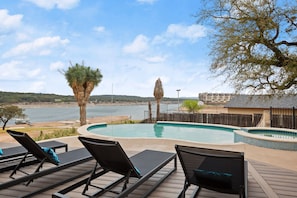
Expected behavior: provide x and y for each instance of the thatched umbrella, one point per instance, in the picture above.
(158, 93)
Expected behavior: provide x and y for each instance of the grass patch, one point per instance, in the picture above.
(56, 134)
(33, 129)
(44, 133)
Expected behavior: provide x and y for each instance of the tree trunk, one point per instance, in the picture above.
(158, 110)
(150, 111)
(83, 114)
(4, 125)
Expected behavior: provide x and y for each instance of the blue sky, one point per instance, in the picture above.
(132, 42)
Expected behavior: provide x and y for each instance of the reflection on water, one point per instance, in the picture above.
(158, 130)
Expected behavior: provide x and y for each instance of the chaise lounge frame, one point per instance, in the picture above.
(12, 155)
(67, 159)
(217, 170)
(111, 157)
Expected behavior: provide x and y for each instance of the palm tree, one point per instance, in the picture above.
(158, 93)
(82, 80)
(192, 106)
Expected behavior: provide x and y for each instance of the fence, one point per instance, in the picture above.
(279, 117)
(240, 120)
(283, 118)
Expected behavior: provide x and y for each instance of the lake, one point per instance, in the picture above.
(68, 112)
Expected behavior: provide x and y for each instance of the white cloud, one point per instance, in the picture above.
(15, 70)
(99, 29)
(60, 4)
(9, 70)
(156, 59)
(139, 44)
(33, 73)
(147, 1)
(57, 66)
(9, 22)
(20, 36)
(177, 33)
(37, 86)
(67, 4)
(192, 32)
(164, 79)
(40, 46)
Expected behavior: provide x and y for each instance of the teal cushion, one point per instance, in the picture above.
(52, 154)
(1, 151)
(137, 170)
(213, 178)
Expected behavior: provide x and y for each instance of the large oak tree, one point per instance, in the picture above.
(7, 112)
(253, 43)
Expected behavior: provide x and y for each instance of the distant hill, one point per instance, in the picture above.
(16, 97)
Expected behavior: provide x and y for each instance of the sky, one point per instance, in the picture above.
(132, 42)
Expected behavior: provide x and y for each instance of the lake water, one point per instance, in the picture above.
(60, 113)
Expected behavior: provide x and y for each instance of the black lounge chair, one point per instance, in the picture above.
(12, 155)
(16, 151)
(66, 159)
(217, 170)
(111, 157)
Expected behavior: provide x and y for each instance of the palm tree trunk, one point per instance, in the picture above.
(83, 114)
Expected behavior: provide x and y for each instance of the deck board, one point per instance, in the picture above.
(283, 183)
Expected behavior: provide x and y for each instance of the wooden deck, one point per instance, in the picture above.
(264, 180)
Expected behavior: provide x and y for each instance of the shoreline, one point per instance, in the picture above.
(217, 108)
(6, 138)
(99, 119)
(71, 104)
(93, 118)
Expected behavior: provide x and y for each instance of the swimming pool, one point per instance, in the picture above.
(274, 133)
(203, 133)
(275, 138)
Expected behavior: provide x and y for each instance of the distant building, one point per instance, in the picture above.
(215, 98)
(259, 103)
(266, 106)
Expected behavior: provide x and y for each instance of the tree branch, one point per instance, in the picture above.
(287, 43)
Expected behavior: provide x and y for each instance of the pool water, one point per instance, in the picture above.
(196, 133)
(275, 134)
